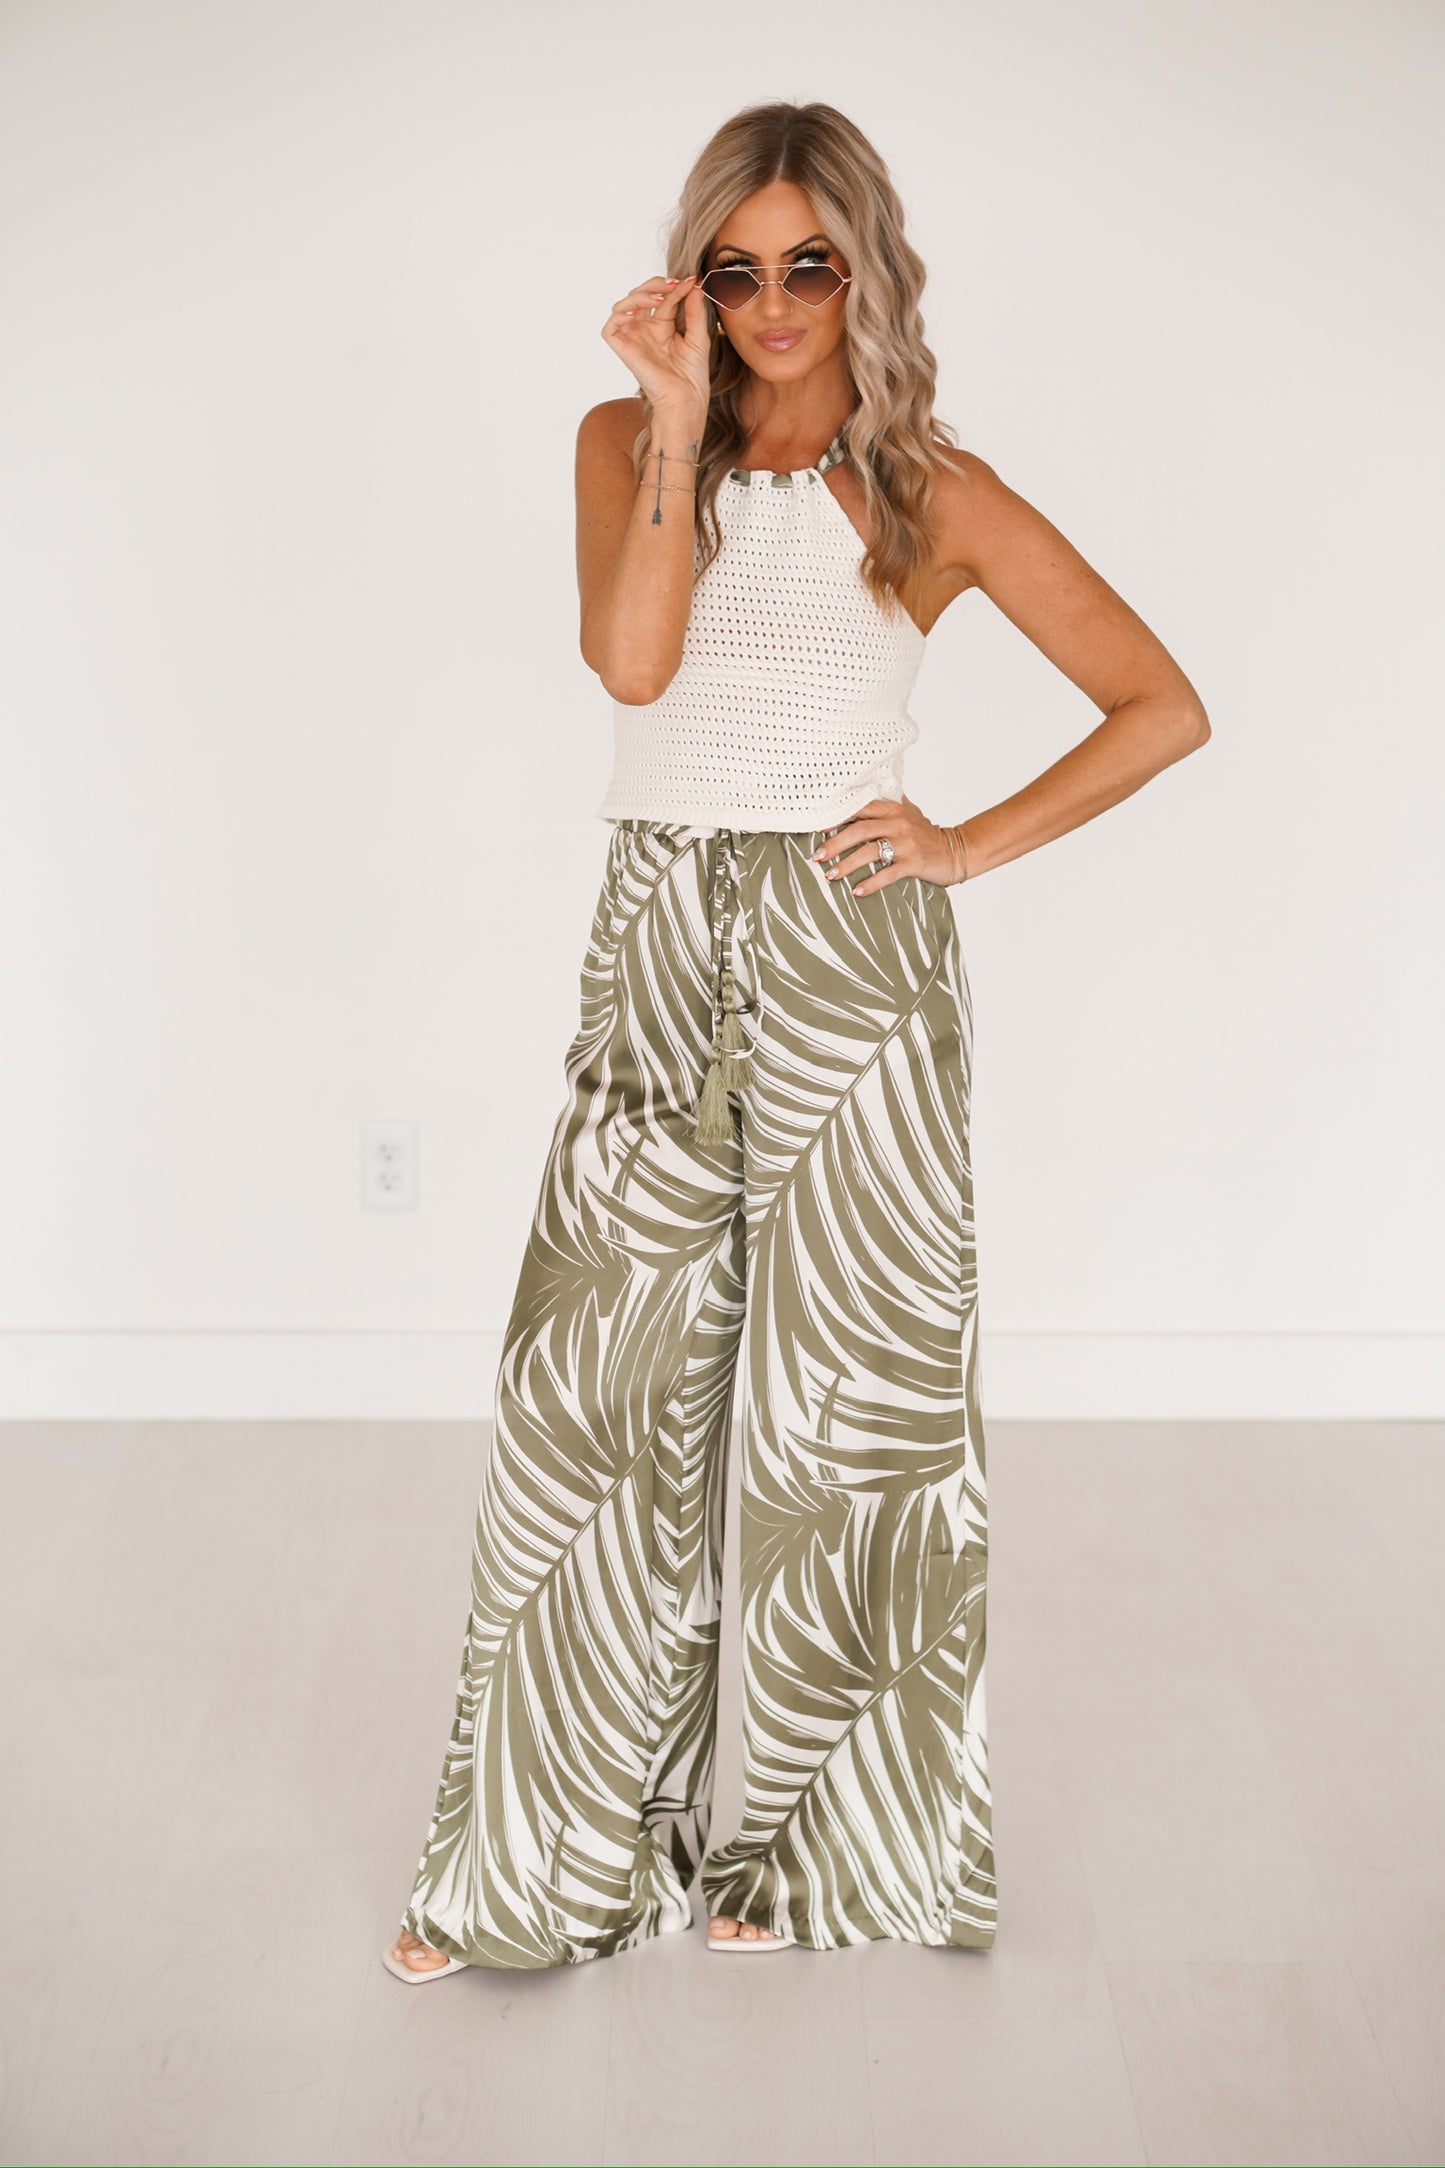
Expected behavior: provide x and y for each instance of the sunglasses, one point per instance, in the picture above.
(737, 284)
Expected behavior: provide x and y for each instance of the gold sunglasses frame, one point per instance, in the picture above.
(730, 307)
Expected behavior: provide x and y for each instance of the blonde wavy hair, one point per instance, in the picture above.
(892, 432)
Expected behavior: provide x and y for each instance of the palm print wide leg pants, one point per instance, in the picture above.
(832, 1224)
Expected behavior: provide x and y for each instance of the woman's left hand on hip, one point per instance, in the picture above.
(919, 846)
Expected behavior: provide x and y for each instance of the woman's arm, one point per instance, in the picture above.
(634, 573)
(1152, 715)
(635, 541)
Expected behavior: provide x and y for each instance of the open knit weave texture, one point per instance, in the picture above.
(789, 707)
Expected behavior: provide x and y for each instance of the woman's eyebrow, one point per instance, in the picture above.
(812, 241)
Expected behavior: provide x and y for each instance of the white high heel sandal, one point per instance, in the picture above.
(753, 1944)
(413, 1976)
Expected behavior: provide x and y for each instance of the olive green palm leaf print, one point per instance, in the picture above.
(830, 1239)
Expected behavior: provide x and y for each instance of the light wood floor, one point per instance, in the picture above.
(1215, 1714)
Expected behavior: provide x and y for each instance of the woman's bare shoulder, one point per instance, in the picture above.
(962, 473)
(971, 498)
(605, 480)
(612, 425)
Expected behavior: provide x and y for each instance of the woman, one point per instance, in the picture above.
(766, 1132)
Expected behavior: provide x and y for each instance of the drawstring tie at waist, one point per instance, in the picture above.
(727, 1066)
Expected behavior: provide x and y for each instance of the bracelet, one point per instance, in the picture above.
(688, 489)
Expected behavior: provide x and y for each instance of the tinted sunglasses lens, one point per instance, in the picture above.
(812, 282)
(730, 289)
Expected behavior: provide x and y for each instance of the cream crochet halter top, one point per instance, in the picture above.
(789, 707)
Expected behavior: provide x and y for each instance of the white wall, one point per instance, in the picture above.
(300, 759)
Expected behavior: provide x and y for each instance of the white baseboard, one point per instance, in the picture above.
(441, 1376)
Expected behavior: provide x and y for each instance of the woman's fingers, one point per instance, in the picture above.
(651, 294)
(861, 834)
(854, 845)
(920, 847)
(652, 334)
(853, 862)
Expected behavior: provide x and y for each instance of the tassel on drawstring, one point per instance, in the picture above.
(714, 1114)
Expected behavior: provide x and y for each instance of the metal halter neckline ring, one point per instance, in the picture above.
(886, 851)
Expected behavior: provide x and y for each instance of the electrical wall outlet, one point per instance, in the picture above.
(388, 1166)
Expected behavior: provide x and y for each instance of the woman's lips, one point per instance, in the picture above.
(778, 341)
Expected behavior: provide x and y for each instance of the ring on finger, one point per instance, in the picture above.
(886, 851)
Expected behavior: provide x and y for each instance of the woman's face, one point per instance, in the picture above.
(777, 335)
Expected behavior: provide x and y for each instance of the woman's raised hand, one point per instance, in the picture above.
(669, 359)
